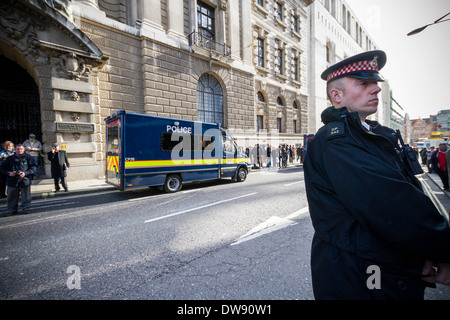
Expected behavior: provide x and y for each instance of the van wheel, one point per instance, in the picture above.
(173, 183)
(241, 175)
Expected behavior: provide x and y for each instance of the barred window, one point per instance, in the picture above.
(261, 52)
(296, 24)
(210, 99)
(279, 54)
(279, 11)
(260, 123)
(296, 69)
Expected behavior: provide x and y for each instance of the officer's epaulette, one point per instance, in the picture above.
(335, 130)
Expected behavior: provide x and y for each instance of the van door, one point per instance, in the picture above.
(112, 152)
(228, 167)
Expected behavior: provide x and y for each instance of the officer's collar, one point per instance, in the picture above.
(365, 125)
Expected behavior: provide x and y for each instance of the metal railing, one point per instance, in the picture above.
(198, 39)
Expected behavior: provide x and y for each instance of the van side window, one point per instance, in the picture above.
(168, 143)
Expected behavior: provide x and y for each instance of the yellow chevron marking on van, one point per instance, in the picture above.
(113, 163)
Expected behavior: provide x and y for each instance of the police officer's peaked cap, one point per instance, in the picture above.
(362, 66)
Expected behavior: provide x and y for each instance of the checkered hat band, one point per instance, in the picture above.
(356, 66)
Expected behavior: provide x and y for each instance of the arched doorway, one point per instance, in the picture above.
(20, 112)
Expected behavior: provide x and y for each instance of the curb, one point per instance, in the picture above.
(438, 185)
(52, 194)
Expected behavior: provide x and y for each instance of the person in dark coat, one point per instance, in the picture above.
(439, 163)
(59, 166)
(19, 169)
(377, 234)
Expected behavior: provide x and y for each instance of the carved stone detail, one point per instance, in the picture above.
(21, 28)
(75, 117)
(72, 66)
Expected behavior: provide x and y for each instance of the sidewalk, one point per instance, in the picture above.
(438, 182)
(44, 188)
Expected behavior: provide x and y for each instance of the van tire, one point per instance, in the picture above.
(241, 174)
(173, 183)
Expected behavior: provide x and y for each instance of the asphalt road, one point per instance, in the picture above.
(195, 244)
(211, 241)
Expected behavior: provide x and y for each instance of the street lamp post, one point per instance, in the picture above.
(416, 31)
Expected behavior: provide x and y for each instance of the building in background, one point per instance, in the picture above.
(422, 129)
(242, 63)
(335, 34)
(280, 39)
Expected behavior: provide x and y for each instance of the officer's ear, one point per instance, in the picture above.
(335, 91)
(336, 95)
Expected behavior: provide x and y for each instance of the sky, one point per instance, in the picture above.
(418, 66)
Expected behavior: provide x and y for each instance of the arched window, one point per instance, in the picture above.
(295, 105)
(210, 99)
(260, 97)
(279, 101)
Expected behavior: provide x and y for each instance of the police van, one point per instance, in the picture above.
(144, 150)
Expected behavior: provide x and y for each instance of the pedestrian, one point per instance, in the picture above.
(274, 157)
(59, 164)
(438, 159)
(377, 234)
(423, 155)
(280, 157)
(34, 148)
(7, 150)
(284, 154)
(429, 164)
(268, 155)
(19, 169)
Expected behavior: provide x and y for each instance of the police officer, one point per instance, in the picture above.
(377, 235)
(19, 169)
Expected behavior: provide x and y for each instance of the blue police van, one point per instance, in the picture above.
(144, 150)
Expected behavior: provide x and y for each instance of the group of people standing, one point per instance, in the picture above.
(19, 164)
(268, 156)
(437, 162)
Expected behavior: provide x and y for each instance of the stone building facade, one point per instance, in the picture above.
(280, 42)
(336, 33)
(189, 59)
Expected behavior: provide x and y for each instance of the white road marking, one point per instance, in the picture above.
(272, 224)
(291, 184)
(434, 199)
(198, 208)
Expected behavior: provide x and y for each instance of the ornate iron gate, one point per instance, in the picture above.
(19, 104)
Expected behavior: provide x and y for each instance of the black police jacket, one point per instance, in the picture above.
(26, 164)
(367, 212)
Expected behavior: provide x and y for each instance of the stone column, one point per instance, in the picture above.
(234, 36)
(91, 3)
(151, 14)
(175, 18)
(220, 23)
(247, 41)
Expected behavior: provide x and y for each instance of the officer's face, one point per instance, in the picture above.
(360, 96)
